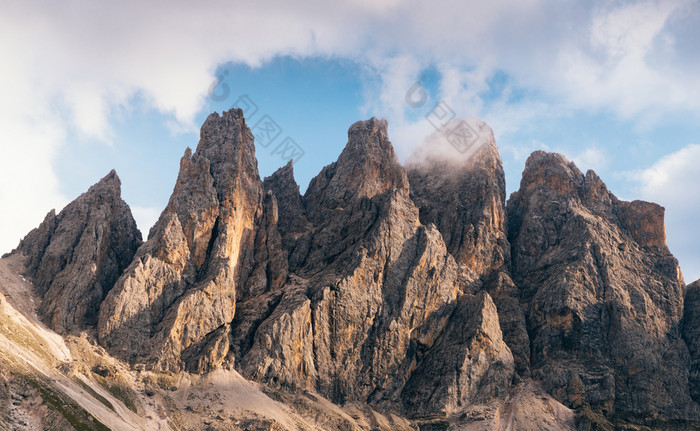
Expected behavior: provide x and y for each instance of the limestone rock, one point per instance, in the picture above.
(691, 335)
(179, 293)
(368, 166)
(286, 191)
(464, 197)
(373, 290)
(394, 292)
(511, 317)
(602, 294)
(293, 224)
(469, 363)
(75, 257)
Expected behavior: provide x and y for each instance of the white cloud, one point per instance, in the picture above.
(68, 65)
(674, 178)
(28, 187)
(591, 157)
(620, 65)
(673, 182)
(520, 151)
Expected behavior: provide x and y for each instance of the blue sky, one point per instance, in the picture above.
(612, 85)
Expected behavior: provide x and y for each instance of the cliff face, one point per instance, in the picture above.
(75, 257)
(691, 335)
(373, 293)
(464, 197)
(173, 305)
(602, 294)
(412, 291)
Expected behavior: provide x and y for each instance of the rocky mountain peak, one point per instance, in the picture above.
(550, 174)
(463, 195)
(368, 166)
(110, 181)
(292, 216)
(553, 172)
(602, 294)
(462, 144)
(199, 251)
(415, 292)
(286, 172)
(228, 144)
(369, 136)
(465, 198)
(644, 221)
(220, 131)
(75, 257)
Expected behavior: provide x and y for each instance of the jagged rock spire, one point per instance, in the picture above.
(176, 299)
(75, 257)
(368, 166)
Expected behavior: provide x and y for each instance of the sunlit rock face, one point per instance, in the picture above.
(173, 306)
(374, 300)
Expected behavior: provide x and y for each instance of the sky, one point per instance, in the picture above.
(86, 87)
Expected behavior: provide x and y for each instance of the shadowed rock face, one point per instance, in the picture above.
(468, 364)
(464, 197)
(292, 223)
(75, 257)
(691, 335)
(602, 293)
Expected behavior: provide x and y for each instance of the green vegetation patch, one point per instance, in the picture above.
(94, 394)
(120, 390)
(74, 414)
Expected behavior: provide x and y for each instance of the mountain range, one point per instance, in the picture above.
(386, 297)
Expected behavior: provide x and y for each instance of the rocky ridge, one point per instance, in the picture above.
(465, 199)
(173, 305)
(416, 291)
(372, 292)
(691, 335)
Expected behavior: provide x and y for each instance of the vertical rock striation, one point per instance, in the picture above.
(691, 335)
(413, 290)
(464, 197)
(173, 305)
(371, 294)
